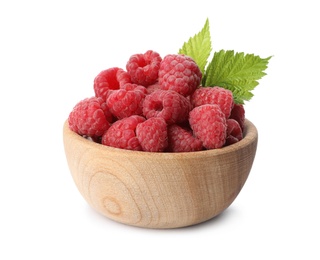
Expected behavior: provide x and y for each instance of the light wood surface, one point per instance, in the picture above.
(159, 190)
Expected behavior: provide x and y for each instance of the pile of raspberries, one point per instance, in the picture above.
(158, 105)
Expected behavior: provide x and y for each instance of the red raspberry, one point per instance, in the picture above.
(170, 105)
(90, 117)
(182, 140)
(135, 87)
(238, 113)
(124, 103)
(234, 132)
(179, 73)
(152, 134)
(213, 95)
(153, 87)
(208, 123)
(109, 79)
(121, 134)
(143, 68)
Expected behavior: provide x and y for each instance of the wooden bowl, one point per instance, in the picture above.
(159, 190)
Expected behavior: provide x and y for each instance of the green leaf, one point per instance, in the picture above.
(198, 47)
(237, 72)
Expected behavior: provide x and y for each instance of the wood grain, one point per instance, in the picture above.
(159, 190)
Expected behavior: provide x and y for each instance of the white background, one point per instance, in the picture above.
(50, 51)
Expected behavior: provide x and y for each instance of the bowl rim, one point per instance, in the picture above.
(250, 136)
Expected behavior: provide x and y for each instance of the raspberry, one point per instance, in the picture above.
(121, 134)
(208, 123)
(152, 134)
(234, 132)
(238, 113)
(182, 140)
(135, 87)
(109, 79)
(153, 87)
(124, 103)
(213, 95)
(179, 73)
(90, 117)
(168, 104)
(143, 68)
